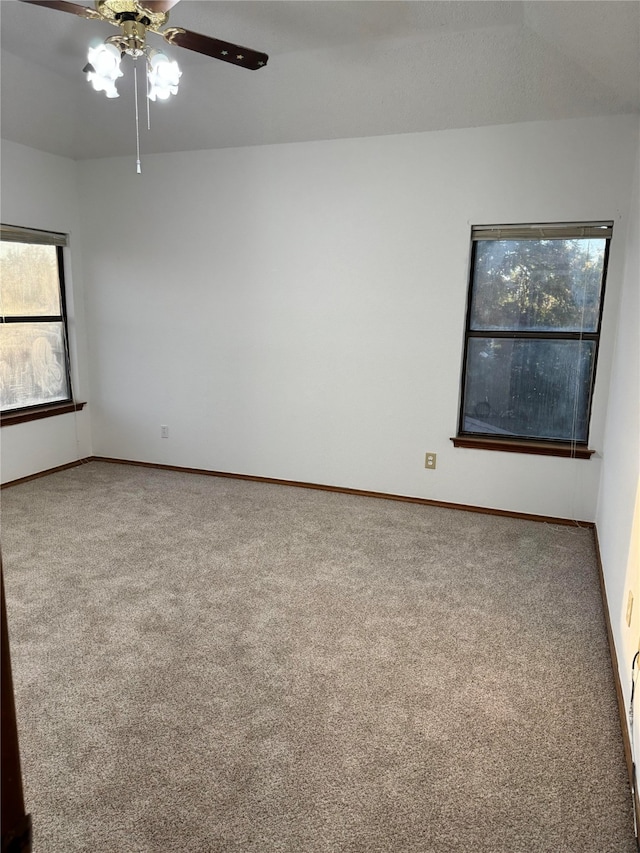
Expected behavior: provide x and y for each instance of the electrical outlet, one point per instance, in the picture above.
(629, 608)
(164, 431)
(430, 460)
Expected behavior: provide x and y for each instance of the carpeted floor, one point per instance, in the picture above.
(211, 665)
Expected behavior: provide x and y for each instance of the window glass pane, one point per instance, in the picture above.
(30, 281)
(32, 364)
(528, 388)
(537, 285)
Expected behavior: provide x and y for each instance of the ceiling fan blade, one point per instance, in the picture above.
(158, 5)
(224, 50)
(64, 6)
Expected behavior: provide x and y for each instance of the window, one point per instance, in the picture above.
(34, 362)
(531, 338)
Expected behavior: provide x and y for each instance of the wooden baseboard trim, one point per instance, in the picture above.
(20, 839)
(47, 472)
(622, 710)
(547, 519)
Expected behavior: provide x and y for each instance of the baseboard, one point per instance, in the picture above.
(46, 473)
(20, 838)
(300, 484)
(547, 519)
(626, 741)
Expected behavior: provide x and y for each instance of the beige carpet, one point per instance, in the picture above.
(205, 664)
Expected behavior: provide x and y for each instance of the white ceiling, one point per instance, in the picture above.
(337, 69)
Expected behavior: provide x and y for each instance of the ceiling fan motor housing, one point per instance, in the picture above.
(133, 37)
(119, 12)
(134, 20)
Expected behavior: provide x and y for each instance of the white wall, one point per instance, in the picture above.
(618, 512)
(40, 191)
(297, 311)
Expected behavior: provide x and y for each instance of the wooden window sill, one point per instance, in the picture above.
(22, 416)
(517, 445)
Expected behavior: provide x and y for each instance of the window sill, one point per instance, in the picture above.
(517, 445)
(22, 416)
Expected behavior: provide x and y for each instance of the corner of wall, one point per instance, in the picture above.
(40, 190)
(619, 493)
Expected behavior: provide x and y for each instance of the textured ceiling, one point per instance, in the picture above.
(336, 69)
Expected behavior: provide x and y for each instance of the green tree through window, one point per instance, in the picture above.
(533, 325)
(34, 368)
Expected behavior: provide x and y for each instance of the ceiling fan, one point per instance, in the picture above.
(135, 17)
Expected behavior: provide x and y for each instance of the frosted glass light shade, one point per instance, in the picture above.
(105, 69)
(163, 75)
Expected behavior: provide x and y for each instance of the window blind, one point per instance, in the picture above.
(561, 231)
(16, 234)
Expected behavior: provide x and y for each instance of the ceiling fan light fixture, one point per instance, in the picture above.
(163, 75)
(103, 69)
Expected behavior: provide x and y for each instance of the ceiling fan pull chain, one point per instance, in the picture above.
(135, 86)
(147, 87)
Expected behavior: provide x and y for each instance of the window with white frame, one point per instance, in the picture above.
(532, 333)
(34, 353)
